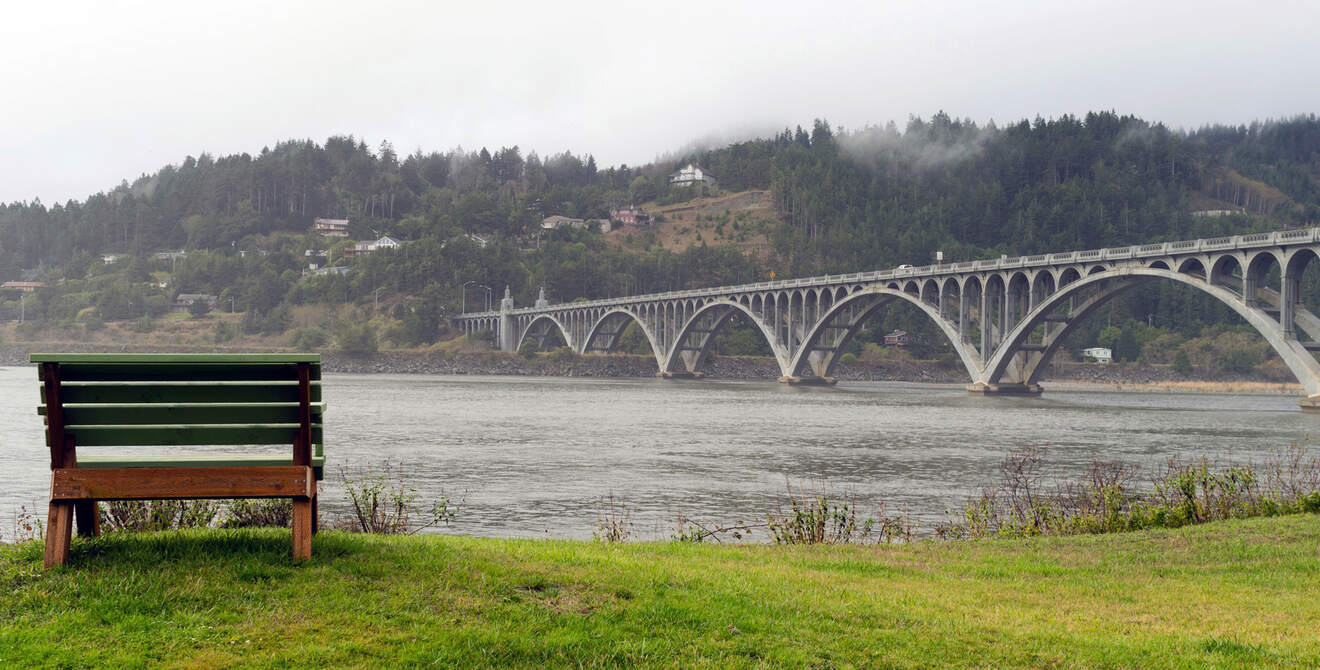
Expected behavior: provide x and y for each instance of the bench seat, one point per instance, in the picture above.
(208, 460)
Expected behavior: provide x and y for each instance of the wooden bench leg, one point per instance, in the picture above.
(88, 517)
(59, 533)
(302, 528)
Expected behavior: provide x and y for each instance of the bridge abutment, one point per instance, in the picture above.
(1014, 389)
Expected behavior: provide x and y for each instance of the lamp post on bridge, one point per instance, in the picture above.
(488, 289)
(465, 285)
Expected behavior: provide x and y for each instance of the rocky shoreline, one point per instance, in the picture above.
(619, 365)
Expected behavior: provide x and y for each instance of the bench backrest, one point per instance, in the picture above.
(94, 400)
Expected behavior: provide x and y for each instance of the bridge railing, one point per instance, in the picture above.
(1248, 241)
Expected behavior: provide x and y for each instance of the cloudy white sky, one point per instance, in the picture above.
(95, 92)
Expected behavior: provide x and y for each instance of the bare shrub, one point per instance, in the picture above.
(613, 520)
(687, 529)
(26, 526)
(382, 503)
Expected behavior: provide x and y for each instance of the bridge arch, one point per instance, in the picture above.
(1223, 267)
(606, 340)
(545, 321)
(869, 300)
(1294, 354)
(718, 312)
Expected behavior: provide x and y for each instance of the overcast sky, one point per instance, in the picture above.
(95, 92)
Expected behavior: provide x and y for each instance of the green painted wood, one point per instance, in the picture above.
(164, 435)
(170, 413)
(183, 392)
(186, 399)
(111, 372)
(137, 359)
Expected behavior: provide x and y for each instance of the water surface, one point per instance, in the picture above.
(532, 456)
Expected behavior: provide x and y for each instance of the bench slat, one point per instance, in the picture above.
(179, 414)
(145, 372)
(277, 481)
(183, 392)
(165, 435)
(200, 461)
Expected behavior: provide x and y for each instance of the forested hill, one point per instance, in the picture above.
(842, 201)
(850, 200)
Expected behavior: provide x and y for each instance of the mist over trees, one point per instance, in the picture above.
(847, 200)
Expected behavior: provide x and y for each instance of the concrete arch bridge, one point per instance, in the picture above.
(1020, 309)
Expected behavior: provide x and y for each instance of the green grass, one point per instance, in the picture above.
(1223, 595)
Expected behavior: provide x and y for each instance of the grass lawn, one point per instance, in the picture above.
(1229, 594)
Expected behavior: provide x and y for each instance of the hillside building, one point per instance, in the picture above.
(691, 175)
(331, 227)
(632, 215)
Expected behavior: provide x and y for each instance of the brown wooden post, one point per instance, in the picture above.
(59, 527)
(303, 508)
(88, 518)
(59, 516)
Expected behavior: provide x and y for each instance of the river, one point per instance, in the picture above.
(533, 456)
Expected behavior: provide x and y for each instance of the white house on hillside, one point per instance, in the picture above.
(692, 174)
(1098, 354)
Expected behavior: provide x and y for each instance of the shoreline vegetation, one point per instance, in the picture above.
(435, 360)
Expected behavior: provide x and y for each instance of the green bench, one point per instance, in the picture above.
(95, 402)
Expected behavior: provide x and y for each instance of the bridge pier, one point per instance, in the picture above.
(680, 375)
(808, 381)
(1014, 389)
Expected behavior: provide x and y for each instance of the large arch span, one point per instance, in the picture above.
(1105, 286)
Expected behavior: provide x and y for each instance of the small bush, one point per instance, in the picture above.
(156, 515)
(848, 359)
(250, 513)
(224, 332)
(1182, 363)
(146, 324)
(310, 339)
(562, 354)
(357, 339)
(528, 349)
(817, 517)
